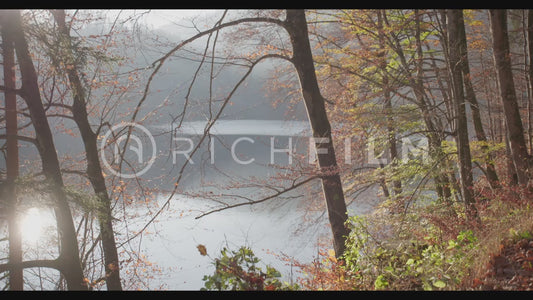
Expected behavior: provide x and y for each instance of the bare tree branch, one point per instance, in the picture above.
(42, 263)
(21, 138)
(292, 187)
(207, 129)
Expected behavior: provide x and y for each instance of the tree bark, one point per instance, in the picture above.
(470, 96)
(69, 259)
(454, 17)
(530, 76)
(502, 59)
(296, 26)
(16, 282)
(94, 170)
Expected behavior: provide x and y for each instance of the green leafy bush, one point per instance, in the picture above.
(408, 263)
(239, 270)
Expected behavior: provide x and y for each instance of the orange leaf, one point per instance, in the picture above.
(202, 250)
(476, 282)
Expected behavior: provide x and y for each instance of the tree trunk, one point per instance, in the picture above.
(511, 169)
(396, 184)
(454, 17)
(470, 96)
(94, 170)
(416, 84)
(502, 59)
(530, 76)
(16, 282)
(296, 26)
(69, 259)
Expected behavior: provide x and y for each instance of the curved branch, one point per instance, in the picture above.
(76, 172)
(41, 263)
(21, 138)
(61, 116)
(200, 65)
(17, 91)
(159, 62)
(207, 129)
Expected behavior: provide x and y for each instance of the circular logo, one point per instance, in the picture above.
(135, 144)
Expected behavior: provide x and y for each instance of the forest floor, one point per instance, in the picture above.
(511, 269)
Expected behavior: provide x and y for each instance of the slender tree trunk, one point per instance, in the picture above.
(94, 170)
(530, 77)
(470, 96)
(488, 95)
(416, 84)
(446, 93)
(396, 184)
(16, 282)
(502, 59)
(511, 169)
(69, 259)
(454, 17)
(296, 26)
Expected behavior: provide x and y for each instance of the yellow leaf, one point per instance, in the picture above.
(331, 252)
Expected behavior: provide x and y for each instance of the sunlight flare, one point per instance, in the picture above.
(33, 222)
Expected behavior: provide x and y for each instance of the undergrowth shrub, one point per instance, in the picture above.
(428, 247)
(240, 270)
(407, 262)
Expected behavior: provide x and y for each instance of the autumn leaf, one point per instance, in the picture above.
(476, 282)
(202, 250)
(331, 254)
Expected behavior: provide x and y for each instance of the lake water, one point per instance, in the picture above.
(278, 226)
(263, 227)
